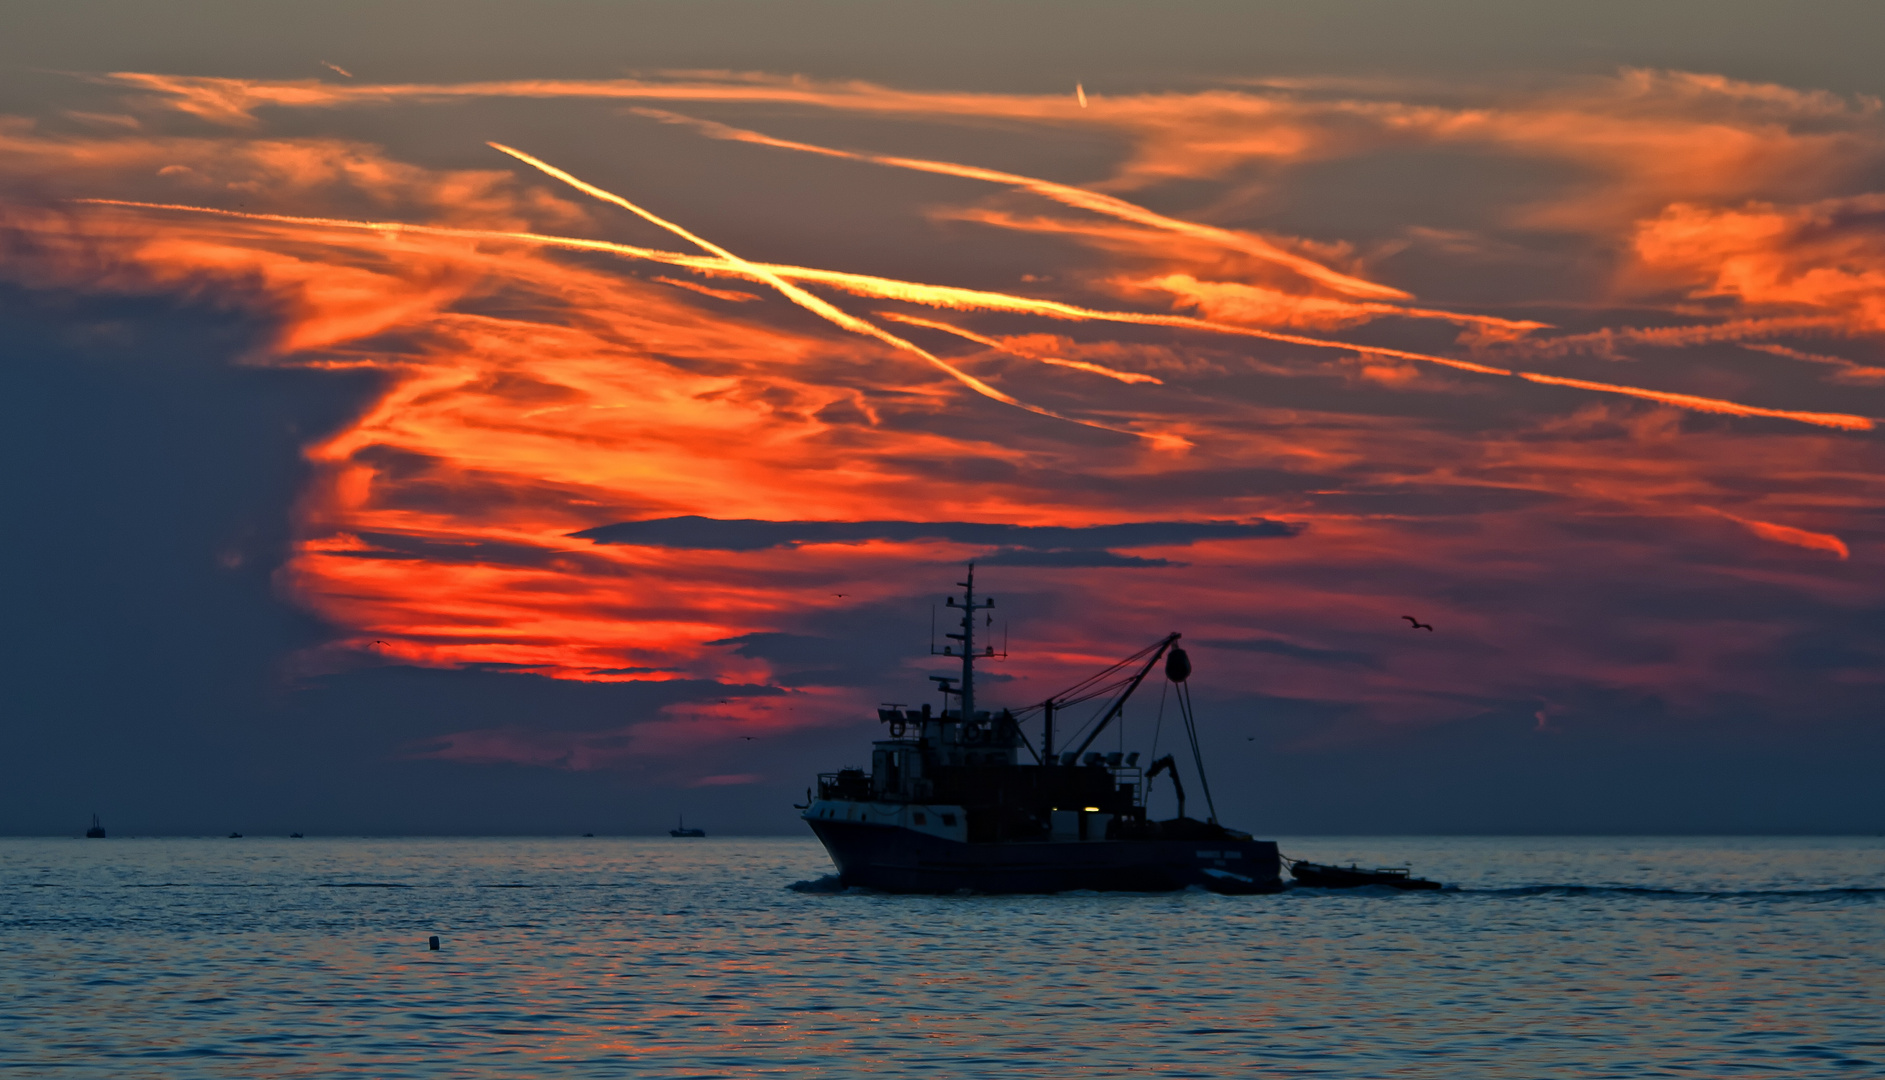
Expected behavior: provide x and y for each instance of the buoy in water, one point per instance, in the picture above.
(434, 942)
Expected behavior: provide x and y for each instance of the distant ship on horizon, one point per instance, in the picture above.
(680, 828)
(97, 831)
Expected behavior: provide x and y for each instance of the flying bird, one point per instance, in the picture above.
(382, 643)
(839, 594)
(1417, 624)
(749, 738)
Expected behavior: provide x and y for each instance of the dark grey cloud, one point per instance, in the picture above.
(1068, 557)
(401, 546)
(145, 670)
(1275, 647)
(857, 654)
(799, 650)
(1018, 542)
(1433, 500)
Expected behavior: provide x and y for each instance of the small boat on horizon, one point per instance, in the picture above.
(680, 828)
(1318, 876)
(294, 836)
(97, 831)
(233, 835)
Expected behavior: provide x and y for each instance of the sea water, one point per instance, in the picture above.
(738, 957)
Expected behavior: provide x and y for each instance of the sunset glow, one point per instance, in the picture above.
(1657, 358)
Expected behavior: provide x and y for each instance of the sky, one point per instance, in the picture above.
(469, 418)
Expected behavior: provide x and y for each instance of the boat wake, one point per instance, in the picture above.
(1647, 892)
(827, 883)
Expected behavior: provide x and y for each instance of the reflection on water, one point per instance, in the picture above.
(266, 958)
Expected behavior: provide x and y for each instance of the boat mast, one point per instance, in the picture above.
(967, 637)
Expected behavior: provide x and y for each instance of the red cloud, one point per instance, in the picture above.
(534, 386)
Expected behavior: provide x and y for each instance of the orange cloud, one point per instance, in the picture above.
(1787, 534)
(1821, 257)
(1009, 347)
(731, 295)
(1228, 301)
(531, 390)
(820, 307)
(1079, 198)
(944, 296)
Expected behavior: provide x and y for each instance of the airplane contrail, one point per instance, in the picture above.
(1070, 196)
(970, 335)
(718, 294)
(337, 68)
(1079, 92)
(1847, 368)
(813, 303)
(952, 297)
(942, 296)
(1702, 404)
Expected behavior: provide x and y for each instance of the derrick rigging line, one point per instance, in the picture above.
(1101, 684)
(1157, 726)
(1183, 695)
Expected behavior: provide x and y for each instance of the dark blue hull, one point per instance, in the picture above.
(900, 860)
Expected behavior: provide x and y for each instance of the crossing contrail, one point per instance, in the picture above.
(812, 303)
(952, 297)
(970, 335)
(1070, 196)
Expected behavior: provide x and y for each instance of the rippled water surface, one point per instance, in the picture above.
(696, 958)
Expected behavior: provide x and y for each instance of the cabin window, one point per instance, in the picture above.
(921, 819)
(949, 819)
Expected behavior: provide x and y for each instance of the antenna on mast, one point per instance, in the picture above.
(969, 608)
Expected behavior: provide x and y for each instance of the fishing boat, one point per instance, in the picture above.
(1319, 876)
(680, 828)
(97, 831)
(959, 798)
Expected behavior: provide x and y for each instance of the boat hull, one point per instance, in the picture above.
(891, 858)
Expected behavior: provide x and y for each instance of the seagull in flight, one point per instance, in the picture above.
(1417, 624)
(840, 595)
(749, 738)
